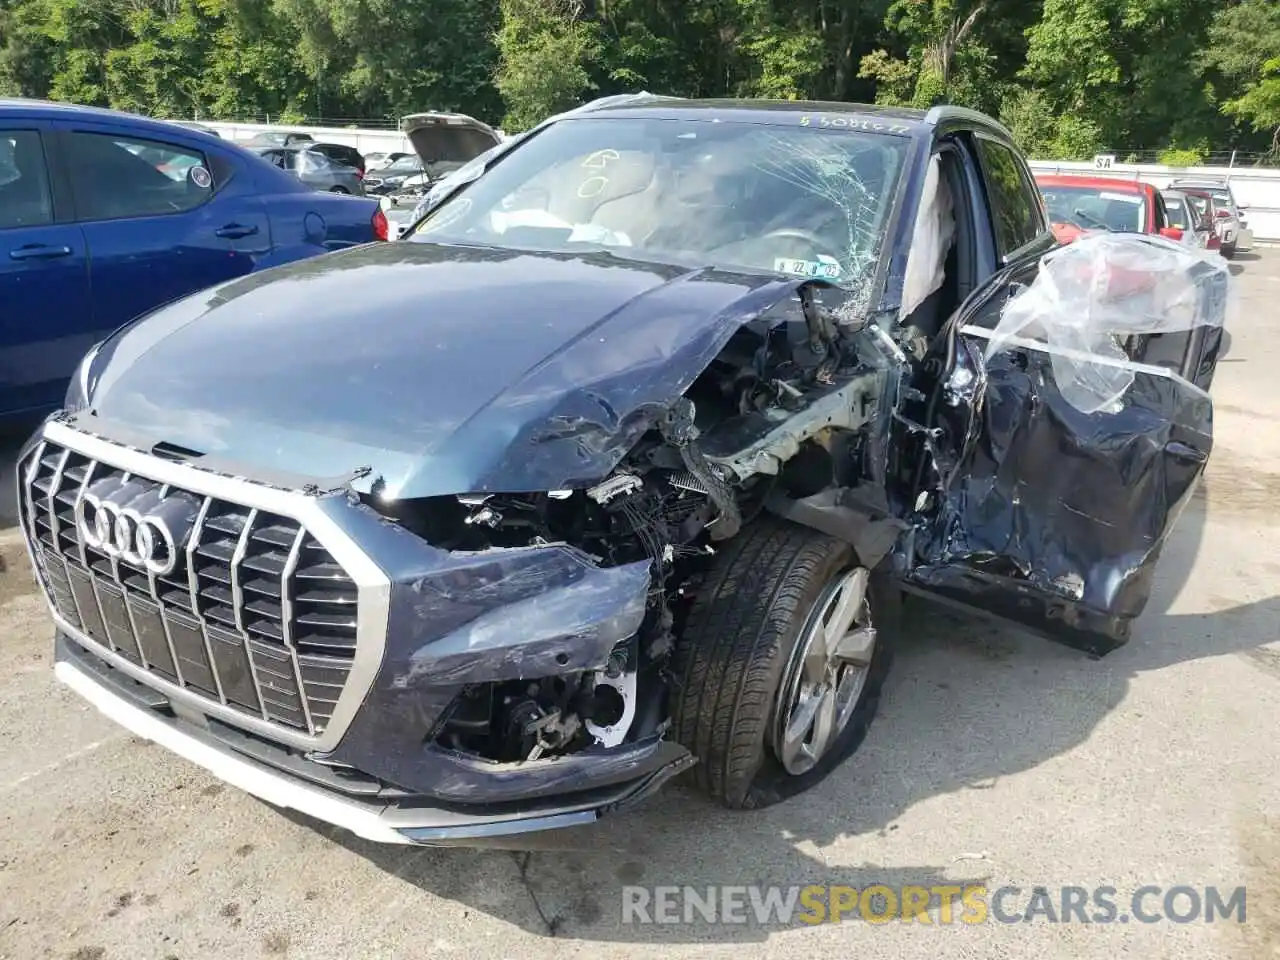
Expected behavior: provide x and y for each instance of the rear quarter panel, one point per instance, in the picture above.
(310, 222)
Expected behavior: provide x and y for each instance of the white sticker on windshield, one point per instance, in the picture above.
(824, 268)
(1123, 197)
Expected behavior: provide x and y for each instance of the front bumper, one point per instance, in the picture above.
(287, 780)
(429, 624)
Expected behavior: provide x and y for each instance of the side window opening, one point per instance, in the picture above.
(25, 200)
(964, 251)
(121, 177)
(1017, 212)
(222, 169)
(1161, 212)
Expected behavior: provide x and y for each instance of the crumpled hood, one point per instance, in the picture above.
(443, 369)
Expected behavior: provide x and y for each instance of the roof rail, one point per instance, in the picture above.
(618, 99)
(949, 111)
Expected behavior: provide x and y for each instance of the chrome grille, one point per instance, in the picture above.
(257, 615)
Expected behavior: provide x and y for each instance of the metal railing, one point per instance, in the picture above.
(1231, 159)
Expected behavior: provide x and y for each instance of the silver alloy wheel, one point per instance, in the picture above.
(827, 673)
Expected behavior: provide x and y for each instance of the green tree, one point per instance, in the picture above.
(781, 53)
(1069, 77)
(1176, 156)
(1044, 133)
(26, 52)
(252, 70)
(942, 46)
(1244, 52)
(547, 50)
(667, 47)
(78, 35)
(159, 70)
(1259, 105)
(1123, 70)
(412, 55)
(386, 58)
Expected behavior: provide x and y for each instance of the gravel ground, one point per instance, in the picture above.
(997, 758)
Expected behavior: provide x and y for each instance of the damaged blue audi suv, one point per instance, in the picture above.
(618, 465)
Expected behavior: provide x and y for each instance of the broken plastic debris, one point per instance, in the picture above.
(616, 485)
(1091, 295)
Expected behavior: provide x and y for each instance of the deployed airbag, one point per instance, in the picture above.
(930, 241)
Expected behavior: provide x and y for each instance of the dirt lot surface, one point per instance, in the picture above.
(996, 758)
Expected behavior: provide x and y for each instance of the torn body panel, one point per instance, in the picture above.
(458, 621)
(1054, 520)
(467, 398)
(528, 642)
(761, 445)
(508, 614)
(1047, 502)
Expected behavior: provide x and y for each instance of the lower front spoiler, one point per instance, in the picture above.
(381, 821)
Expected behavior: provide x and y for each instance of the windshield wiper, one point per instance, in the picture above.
(1081, 215)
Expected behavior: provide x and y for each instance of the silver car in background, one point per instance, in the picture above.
(379, 160)
(315, 169)
(1181, 213)
(387, 179)
(1231, 224)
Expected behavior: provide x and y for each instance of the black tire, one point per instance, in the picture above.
(1229, 251)
(342, 190)
(742, 628)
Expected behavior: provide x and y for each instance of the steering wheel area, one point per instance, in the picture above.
(765, 249)
(791, 233)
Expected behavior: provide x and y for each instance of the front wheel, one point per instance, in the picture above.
(781, 664)
(340, 190)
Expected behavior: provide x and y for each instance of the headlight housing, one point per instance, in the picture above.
(80, 389)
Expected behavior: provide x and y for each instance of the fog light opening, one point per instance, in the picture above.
(606, 706)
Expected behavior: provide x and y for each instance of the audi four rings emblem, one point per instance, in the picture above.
(131, 521)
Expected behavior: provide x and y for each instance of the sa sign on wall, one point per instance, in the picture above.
(1104, 161)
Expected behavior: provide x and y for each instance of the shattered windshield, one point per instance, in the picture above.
(1095, 208)
(796, 200)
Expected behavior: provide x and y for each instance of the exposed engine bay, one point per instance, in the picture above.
(781, 410)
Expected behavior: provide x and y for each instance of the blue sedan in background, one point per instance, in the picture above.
(105, 216)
